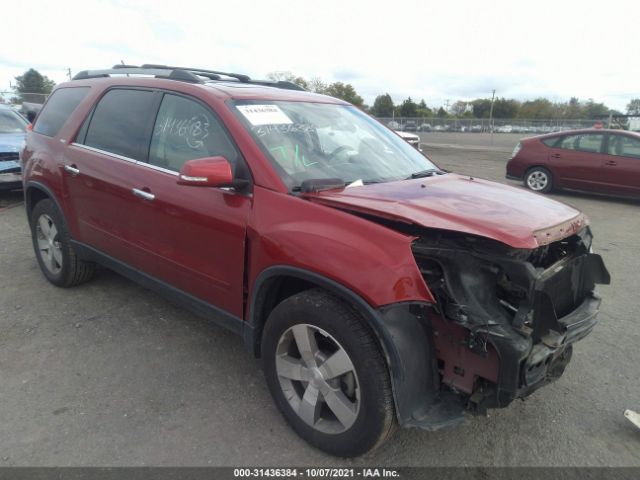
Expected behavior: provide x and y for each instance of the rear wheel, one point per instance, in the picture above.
(51, 243)
(327, 375)
(538, 179)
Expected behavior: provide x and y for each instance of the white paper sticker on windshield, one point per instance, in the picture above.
(264, 114)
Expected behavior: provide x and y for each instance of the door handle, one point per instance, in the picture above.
(611, 163)
(555, 155)
(72, 170)
(142, 194)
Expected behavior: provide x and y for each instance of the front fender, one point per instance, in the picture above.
(369, 259)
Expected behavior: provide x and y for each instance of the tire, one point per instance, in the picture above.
(538, 179)
(362, 397)
(51, 243)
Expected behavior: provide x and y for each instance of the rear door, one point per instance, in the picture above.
(101, 170)
(577, 160)
(622, 163)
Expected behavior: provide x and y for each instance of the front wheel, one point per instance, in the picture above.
(538, 179)
(327, 375)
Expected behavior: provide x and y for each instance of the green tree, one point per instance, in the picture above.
(481, 107)
(633, 107)
(540, 108)
(382, 106)
(408, 108)
(442, 113)
(33, 81)
(425, 112)
(317, 85)
(345, 92)
(422, 105)
(459, 108)
(286, 76)
(573, 109)
(505, 108)
(595, 110)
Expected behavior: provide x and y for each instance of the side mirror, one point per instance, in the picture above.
(206, 172)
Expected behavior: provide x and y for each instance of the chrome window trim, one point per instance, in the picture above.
(126, 159)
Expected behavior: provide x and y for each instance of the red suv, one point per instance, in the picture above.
(606, 161)
(377, 289)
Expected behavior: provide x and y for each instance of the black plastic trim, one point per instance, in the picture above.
(43, 188)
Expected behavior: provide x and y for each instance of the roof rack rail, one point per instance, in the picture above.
(185, 74)
(182, 75)
(239, 76)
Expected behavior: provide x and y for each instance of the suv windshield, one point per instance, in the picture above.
(11, 122)
(309, 141)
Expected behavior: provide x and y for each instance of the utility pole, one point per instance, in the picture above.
(493, 97)
(69, 72)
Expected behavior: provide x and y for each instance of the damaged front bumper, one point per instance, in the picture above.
(505, 319)
(10, 174)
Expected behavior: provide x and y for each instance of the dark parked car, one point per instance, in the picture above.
(30, 110)
(410, 126)
(597, 160)
(13, 128)
(377, 289)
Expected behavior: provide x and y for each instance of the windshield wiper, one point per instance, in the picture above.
(425, 173)
(319, 184)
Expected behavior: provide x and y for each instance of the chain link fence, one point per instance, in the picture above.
(483, 125)
(11, 97)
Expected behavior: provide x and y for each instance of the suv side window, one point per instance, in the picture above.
(58, 109)
(623, 146)
(120, 122)
(185, 130)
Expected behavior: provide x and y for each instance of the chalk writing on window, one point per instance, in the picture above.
(194, 130)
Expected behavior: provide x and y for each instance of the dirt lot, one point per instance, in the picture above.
(111, 374)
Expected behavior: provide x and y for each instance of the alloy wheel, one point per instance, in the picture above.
(49, 246)
(537, 180)
(318, 378)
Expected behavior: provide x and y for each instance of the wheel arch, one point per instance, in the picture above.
(35, 192)
(276, 283)
(403, 336)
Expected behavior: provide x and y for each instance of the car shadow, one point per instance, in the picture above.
(9, 198)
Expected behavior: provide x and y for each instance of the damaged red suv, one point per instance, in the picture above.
(377, 289)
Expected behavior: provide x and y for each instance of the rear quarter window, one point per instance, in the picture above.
(58, 109)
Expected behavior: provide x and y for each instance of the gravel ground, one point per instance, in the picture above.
(109, 374)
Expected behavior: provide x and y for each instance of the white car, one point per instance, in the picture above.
(411, 138)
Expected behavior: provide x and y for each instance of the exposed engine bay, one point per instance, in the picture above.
(505, 319)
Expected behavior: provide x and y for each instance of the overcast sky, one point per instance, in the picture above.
(433, 50)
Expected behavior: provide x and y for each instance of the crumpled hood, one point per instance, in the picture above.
(459, 203)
